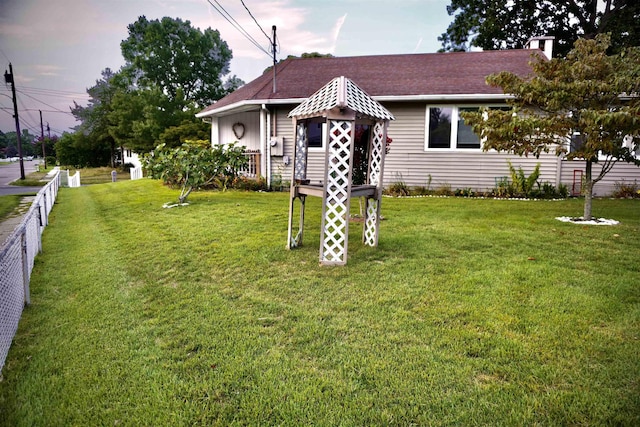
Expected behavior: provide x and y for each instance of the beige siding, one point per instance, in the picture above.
(283, 128)
(251, 121)
(621, 172)
(409, 162)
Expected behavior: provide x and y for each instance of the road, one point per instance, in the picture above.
(10, 172)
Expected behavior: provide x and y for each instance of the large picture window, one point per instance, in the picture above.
(446, 129)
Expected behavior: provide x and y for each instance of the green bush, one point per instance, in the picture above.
(626, 190)
(195, 164)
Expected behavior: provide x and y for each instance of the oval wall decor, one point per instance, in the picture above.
(238, 130)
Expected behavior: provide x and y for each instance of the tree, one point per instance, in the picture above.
(80, 150)
(182, 61)
(304, 55)
(49, 146)
(95, 117)
(9, 143)
(493, 24)
(589, 95)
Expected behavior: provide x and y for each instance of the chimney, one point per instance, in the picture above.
(544, 43)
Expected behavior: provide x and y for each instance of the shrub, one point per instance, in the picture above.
(444, 190)
(522, 185)
(626, 190)
(195, 164)
(398, 189)
(464, 192)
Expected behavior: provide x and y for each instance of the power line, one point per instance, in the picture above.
(5, 55)
(254, 20)
(42, 102)
(24, 120)
(50, 92)
(226, 15)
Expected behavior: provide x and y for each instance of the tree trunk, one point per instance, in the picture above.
(588, 191)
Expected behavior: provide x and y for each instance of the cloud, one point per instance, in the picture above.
(336, 32)
(47, 70)
(417, 45)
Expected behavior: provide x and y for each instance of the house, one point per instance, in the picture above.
(431, 146)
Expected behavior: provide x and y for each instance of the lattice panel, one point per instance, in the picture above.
(336, 209)
(300, 162)
(359, 101)
(378, 140)
(371, 223)
(324, 99)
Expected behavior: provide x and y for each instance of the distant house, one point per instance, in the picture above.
(425, 92)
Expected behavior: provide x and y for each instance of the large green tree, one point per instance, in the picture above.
(9, 143)
(172, 70)
(95, 120)
(182, 61)
(589, 98)
(497, 24)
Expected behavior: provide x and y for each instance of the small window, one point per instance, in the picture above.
(440, 127)
(314, 135)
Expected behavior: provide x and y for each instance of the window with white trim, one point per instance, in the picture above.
(316, 134)
(446, 129)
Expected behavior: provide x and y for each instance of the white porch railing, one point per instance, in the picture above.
(252, 170)
(17, 255)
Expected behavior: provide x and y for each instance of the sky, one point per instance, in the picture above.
(58, 48)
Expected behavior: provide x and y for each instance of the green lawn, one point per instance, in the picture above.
(470, 312)
(101, 175)
(8, 204)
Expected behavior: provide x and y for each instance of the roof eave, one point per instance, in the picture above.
(246, 105)
(444, 97)
(250, 104)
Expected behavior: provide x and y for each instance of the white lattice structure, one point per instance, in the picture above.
(342, 105)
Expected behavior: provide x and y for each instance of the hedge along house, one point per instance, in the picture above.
(424, 92)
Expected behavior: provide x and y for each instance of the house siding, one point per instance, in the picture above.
(251, 122)
(621, 172)
(408, 161)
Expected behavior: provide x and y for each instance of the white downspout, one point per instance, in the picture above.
(264, 137)
(215, 132)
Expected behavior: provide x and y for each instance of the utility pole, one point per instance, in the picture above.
(44, 153)
(8, 78)
(273, 48)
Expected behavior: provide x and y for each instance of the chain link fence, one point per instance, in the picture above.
(17, 255)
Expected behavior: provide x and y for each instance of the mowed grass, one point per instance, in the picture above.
(101, 175)
(470, 312)
(8, 204)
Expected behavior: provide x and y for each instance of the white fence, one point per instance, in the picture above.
(73, 181)
(17, 255)
(136, 172)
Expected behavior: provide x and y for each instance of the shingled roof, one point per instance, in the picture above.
(383, 76)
